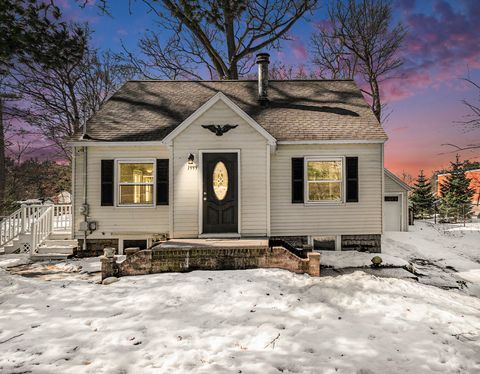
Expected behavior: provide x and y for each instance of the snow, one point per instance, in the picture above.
(452, 249)
(10, 260)
(445, 244)
(250, 321)
(349, 259)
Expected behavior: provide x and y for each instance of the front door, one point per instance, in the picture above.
(220, 193)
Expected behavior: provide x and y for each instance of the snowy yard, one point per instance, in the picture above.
(446, 254)
(253, 321)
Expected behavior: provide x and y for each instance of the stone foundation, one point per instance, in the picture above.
(95, 247)
(362, 243)
(138, 262)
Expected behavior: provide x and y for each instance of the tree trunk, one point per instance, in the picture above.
(376, 105)
(230, 35)
(3, 173)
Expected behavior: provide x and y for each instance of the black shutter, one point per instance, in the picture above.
(107, 183)
(352, 179)
(297, 180)
(162, 182)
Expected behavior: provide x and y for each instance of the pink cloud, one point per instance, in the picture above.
(440, 47)
(298, 49)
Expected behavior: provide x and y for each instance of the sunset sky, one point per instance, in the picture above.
(425, 99)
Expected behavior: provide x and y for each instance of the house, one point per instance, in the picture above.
(297, 160)
(474, 176)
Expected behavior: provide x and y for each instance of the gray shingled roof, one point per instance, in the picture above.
(298, 110)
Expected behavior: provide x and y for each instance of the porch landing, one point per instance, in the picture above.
(207, 254)
(213, 243)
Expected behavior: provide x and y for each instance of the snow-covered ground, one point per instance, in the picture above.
(444, 252)
(252, 321)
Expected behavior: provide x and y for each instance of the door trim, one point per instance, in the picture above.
(200, 190)
(402, 214)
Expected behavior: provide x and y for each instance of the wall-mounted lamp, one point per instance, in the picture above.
(191, 158)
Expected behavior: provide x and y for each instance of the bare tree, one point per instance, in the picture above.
(331, 58)
(471, 121)
(359, 42)
(213, 37)
(57, 99)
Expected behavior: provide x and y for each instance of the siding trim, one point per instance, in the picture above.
(268, 189)
(402, 212)
(200, 188)
(339, 141)
(171, 205)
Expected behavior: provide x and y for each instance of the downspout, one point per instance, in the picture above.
(74, 174)
(85, 190)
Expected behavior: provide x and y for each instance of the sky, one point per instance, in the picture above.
(424, 98)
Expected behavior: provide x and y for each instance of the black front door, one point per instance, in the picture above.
(220, 193)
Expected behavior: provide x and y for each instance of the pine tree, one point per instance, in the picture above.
(456, 194)
(422, 197)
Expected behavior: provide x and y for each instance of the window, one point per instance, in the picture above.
(391, 198)
(142, 244)
(135, 182)
(324, 243)
(324, 180)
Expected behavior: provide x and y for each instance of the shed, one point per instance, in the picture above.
(395, 203)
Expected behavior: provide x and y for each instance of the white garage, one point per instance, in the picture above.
(395, 203)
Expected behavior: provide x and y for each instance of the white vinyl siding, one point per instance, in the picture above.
(252, 178)
(364, 217)
(117, 221)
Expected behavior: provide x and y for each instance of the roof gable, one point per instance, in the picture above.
(219, 96)
(397, 180)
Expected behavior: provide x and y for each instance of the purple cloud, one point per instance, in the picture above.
(439, 47)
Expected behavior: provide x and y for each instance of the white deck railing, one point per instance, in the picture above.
(31, 214)
(42, 228)
(38, 220)
(63, 217)
(11, 227)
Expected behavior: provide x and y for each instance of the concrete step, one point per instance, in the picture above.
(60, 235)
(48, 257)
(55, 249)
(73, 243)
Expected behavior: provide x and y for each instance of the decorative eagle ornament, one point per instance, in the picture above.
(219, 130)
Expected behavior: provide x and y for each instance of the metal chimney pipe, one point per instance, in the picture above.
(263, 59)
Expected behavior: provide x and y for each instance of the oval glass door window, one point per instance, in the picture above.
(220, 180)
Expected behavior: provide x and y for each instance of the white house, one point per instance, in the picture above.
(299, 160)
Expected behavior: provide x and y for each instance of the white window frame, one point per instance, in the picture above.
(118, 184)
(307, 182)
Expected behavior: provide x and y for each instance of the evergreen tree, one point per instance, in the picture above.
(422, 197)
(456, 194)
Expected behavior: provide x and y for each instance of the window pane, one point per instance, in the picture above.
(136, 173)
(220, 180)
(324, 170)
(324, 191)
(136, 194)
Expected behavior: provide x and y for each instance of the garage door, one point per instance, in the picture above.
(393, 213)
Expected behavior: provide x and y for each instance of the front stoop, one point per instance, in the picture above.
(54, 249)
(161, 260)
